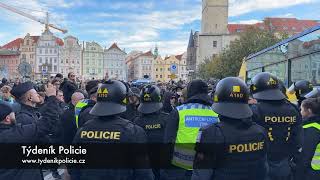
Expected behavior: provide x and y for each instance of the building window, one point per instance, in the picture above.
(160, 69)
(168, 69)
(55, 51)
(168, 76)
(87, 70)
(156, 76)
(160, 76)
(50, 51)
(67, 61)
(87, 62)
(46, 60)
(50, 60)
(214, 44)
(62, 61)
(55, 60)
(46, 51)
(55, 68)
(78, 71)
(61, 70)
(156, 69)
(99, 70)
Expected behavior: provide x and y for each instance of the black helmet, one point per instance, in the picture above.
(313, 94)
(283, 88)
(301, 88)
(265, 86)
(150, 99)
(111, 99)
(231, 98)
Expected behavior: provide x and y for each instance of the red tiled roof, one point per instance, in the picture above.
(15, 44)
(59, 41)
(114, 46)
(149, 53)
(236, 28)
(179, 57)
(288, 25)
(35, 38)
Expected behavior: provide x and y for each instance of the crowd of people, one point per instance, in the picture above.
(225, 130)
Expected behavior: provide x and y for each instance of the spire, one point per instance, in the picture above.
(156, 52)
(191, 40)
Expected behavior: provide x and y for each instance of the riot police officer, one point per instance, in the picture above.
(152, 120)
(111, 98)
(282, 122)
(183, 128)
(300, 88)
(236, 147)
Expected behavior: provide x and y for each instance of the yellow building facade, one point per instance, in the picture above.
(162, 68)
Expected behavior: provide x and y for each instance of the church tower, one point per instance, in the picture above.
(214, 17)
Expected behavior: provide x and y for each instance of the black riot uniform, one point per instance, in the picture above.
(111, 96)
(234, 148)
(282, 122)
(301, 89)
(152, 120)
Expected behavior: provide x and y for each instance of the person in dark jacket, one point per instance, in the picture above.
(309, 167)
(4, 82)
(167, 107)
(182, 127)
(110, 103)
(283, 124)
(69, 87)
(67, 119)
(131, 113)
(28, 97)
(11, 132)
(152, 120)
(236, 147)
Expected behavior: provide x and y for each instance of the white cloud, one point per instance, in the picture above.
(250, 21)
(131, 5)
(239, 7)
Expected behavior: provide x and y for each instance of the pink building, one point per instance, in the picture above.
(9, 62)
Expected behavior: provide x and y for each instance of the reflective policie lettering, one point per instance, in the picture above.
(275, 119)
(100, 135)
(153, 126)
(249, 147)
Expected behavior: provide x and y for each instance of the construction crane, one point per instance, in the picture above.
(45, 22)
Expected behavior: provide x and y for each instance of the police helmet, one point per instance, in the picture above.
(231, 98)
(265, 86)
(283, 88)
(150, 97)
(301, 88)
(313, 94)
(111, 99)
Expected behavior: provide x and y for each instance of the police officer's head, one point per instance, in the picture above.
(7, 115)
(301, 88)
(150, 97)
(265, 86)
(111, 99)
(231, 98)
